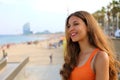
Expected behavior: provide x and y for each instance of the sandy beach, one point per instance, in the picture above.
(39, 58)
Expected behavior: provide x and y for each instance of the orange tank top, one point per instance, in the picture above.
(84, 72)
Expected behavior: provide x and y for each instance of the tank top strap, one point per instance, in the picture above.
(92, 55)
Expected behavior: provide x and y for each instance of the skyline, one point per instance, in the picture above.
(41, 14)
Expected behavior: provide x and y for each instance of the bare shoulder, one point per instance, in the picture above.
(102, 66)
(102, 58)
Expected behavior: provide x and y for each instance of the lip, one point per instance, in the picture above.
(73, 34)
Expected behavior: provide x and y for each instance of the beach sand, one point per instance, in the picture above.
(39, 66)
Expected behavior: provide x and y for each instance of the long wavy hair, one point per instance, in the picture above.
(97, 38)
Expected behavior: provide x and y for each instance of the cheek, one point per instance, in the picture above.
(83, 30)
(80, 29)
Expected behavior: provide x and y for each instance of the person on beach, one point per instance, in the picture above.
(51, 57)
(89, 52)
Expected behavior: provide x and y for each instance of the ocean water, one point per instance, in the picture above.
(7, 39)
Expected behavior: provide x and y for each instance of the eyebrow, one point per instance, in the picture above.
(73, 22)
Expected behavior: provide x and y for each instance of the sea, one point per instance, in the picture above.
(8, 39)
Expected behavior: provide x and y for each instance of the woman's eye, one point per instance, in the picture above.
(68, 26)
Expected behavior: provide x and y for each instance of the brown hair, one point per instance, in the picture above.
(96, 38)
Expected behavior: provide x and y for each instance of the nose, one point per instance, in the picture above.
(71, 28)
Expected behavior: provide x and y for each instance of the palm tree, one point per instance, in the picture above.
(113, 16)
(100, 15)
(115, 9)
(109, 20)
(103, 11)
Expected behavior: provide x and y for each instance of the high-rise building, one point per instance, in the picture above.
(26, 29)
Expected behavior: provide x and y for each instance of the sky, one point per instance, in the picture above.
(42, 14)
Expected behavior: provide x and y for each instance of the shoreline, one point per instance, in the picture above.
(16, 39)
(42, 49)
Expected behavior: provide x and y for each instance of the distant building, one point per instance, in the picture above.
(44, 32)
(26, 29)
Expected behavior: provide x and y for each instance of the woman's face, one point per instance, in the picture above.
(77, 29)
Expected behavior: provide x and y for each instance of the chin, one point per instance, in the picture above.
(74, 40)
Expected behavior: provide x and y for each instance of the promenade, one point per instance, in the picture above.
(39, 66)
(42, 72)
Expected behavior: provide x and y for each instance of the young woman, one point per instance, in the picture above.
(88, 55)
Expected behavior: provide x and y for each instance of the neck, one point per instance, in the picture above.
(85, 46)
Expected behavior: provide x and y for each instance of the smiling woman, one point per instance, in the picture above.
(89, 54)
